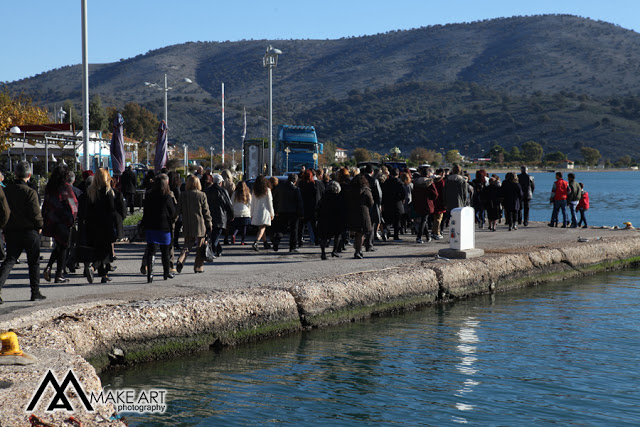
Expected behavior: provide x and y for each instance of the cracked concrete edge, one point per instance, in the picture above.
(130, 332)
(490, 274)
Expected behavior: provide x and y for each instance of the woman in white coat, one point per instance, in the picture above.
(261, 210)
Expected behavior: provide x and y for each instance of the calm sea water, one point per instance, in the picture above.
(614, 197)
(560, 354)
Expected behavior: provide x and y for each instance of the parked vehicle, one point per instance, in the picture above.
(296, 146)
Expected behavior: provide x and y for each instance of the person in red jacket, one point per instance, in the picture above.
(559, 195)
(583, 206)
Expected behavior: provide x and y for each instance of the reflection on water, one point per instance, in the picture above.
(562, 354)
(468, 338)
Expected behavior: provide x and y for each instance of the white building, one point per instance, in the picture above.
(341, 155)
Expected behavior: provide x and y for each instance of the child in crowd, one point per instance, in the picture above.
(583, 206)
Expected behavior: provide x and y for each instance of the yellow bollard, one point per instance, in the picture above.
(10, 346)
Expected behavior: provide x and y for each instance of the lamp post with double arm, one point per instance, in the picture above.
(270, 61)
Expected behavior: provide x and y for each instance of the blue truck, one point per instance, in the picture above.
(296, 146)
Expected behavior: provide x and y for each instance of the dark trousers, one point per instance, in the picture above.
(28, 241)
(395, 221)
(130, 199)
(523, 213)
(583, 218)
(165, 250)
(324, 243)
(371, 235)
(3, 252)
(290, 221)
(176, 232)
(422, 227)
(59, 255)
(216, 234)
(559, 206)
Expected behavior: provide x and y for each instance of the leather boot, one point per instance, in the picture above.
(150, 261)
(166, 268)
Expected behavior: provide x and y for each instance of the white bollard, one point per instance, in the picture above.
(463, 233)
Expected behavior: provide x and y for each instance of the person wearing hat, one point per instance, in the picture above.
(220, 208)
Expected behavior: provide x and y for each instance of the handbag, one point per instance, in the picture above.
(207, 251)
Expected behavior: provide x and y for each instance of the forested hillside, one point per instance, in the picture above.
(562, 81)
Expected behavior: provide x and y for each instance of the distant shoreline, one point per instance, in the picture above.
(552, 170)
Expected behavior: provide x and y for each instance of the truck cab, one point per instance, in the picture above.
(296, 146)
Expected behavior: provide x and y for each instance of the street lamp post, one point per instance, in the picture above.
(147, 144)
(62, 114)
(270, 61)
(186, 158)
(46, 156)
(85, 88)
(166, 90)
(233, 158)
(14, 129)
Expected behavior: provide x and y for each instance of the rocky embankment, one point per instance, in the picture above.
(93, 336)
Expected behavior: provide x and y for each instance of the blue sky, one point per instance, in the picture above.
(40, 35)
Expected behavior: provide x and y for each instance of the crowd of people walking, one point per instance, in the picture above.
(337, 209)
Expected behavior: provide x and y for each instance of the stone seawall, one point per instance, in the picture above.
(115, 332)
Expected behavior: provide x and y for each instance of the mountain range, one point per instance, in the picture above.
(562, 81)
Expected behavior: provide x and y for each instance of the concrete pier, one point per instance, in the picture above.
(245, 296)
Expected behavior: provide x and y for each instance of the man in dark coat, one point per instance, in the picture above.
(128, 184)
(331, 218)
(22, 231)
(456, 190)
(221, 209)
(374, 212)
(528, 186)
(289, 209)
(393, 202)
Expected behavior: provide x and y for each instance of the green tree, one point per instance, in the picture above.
(532, 152)
(139, 123)
(361, 155)
(496, 153)
(97, 115)
(453, 156)
(328, 155)
(624, 161)
(556, 156)
(590, 155)
(515, 155)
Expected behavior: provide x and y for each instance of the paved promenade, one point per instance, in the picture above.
(242, 267)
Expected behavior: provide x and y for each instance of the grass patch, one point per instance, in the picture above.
(132, 219)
